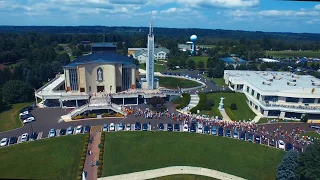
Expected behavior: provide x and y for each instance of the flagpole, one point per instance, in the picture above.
(35, 91)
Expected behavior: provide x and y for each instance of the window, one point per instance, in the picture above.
(258, 96)
(252, 92)
(308, 100)
(99, 74)
(73, 78)
(291, 99)
(248, 89)
(271, 98)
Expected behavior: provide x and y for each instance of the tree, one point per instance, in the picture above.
(156, 100)
(77, 52)
(263, 67)
(200, 65)
(304, 118)
(191, 64)
(230, 67)
(210, 72)
(309, 162)
(56, 67)
(15, 91)
(17, 73)
(288, 166)
(233, 106)
(60, 48)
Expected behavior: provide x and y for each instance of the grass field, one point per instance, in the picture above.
(9, 119)
(56, 158)
(127, 152)
(218, 81)
(196, 59)
(284, 54)
(243, 111)
(157, 67)
(173, 83)
(311, 134)
(185, 177)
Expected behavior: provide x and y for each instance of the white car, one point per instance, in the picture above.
(200, 128)
(24, 137)
(24, 113)
(29, 119)
(281, 144)
(52, 133)
(185, 128)
(4, 142)
(79, 129)
(112, 127)
(128, 127)
(120, 127)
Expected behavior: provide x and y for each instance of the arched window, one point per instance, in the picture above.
(99, 74)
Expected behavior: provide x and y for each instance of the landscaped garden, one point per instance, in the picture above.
(175, 83)
(127, 152)
(56, 158)
(185, 101)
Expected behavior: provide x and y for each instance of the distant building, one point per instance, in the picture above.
(233, 60)
(184, 47)
(267, 60)
(141, 54)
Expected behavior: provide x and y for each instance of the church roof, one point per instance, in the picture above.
(102, 57)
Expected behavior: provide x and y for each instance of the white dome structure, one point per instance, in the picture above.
(193, 38)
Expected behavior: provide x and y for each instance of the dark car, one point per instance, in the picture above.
(33, 136)
(243, 136)
(137, 126)
(144, 127)
(177, 127)
(289, 146)
(207, 130)
(169, 127)
(13, 140)
(25, 116)
(257, 139)
(62, 132)
(161, 127)
(271, 142)
(250, 137)
(193, 127)
(86, 129)
(228, 133)
(220, 131)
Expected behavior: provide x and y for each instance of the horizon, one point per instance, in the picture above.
(243, 15)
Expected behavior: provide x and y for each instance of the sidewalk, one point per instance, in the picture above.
(93, 171)
(225, 116)
(173, 170)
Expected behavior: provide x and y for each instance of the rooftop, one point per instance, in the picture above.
(103, 44)
(233, 60)
(274, 81)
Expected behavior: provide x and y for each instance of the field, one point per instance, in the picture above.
(56, 158)
(127, 152)
(157, 67)
(174, 83)
(196, 59)
(217, 81)
(185, 177)
(243, 111)
(9, 119)
(285, 54)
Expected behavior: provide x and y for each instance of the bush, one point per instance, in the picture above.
(233, 106)
(202, 105)
(83, 158)
(104, 115)
(230, 113)
(79, 177)
(210, 102)
(304, 118)
(82, 162)
(100, 153)
(81, 168)
(185, 100)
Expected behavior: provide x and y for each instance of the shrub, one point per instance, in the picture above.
(104, 115)
(304, 118)
(230, 113)
(83, 158)
(210, 102)
(82, 162)
(101, 153)
(233, 106)
(81, 168)
(185, 100)
(79, 177)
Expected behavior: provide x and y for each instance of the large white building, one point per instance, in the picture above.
(277, 94)
(141, 54)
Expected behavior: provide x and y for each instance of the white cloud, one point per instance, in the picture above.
(317, 7)
(220, 3)
(273, 13)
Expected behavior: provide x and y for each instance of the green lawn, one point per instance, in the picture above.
(284, 54)
(173, 83)
(9, 119)
(218, 81)
(56, 158)
(157, 67)
(207, 46)
(265, 120)
(185, 177)
(196, 59)
(243, 111)
(127, 152)
(312, 134)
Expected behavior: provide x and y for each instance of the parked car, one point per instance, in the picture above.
(228, 133)
(105, 127)
(120, 127)
(112, 127)
(185, 128)
(257, 139)
(289, 146)
(193, 127)
(176, 127)
(23, 112)
(250, 137)
(79, 129)
(200, 128)
(62, 132)
(145, 127)
(161, 127)
(281, 144)
(137, 126)
(220, 131)
(128, 127)
(271, 142)
(24, 137)
(214, 130)
(4, 142)
(25, 116)
(235, 134)
(52, 133)
(169, 127)
(206, 130)
(13, 140)
(29, 119)
(86, 129)
(243, 136)
(70, 130)
(33, 136)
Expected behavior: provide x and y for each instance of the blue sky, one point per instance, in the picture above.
(252, 15)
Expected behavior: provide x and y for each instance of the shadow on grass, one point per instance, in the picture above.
(5, 107)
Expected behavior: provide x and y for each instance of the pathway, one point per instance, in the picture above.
(194, 100)
(92, 171)
(257, 118)
(225, 115)
(149, 174)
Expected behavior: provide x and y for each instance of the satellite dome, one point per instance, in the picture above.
(193, 38)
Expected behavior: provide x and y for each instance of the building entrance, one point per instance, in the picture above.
(100, 88)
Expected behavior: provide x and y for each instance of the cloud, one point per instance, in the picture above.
(141, 2)
(273, 13)
(317, 7)
(220, 3)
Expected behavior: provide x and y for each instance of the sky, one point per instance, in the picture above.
(249, 15)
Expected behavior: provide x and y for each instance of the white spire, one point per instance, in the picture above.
(151, 28)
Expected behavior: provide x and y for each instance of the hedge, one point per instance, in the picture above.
(202, 105)
(185, 100)
(101, 153)
(230, 113)
(83, 155)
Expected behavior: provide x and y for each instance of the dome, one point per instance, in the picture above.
(193, 38)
